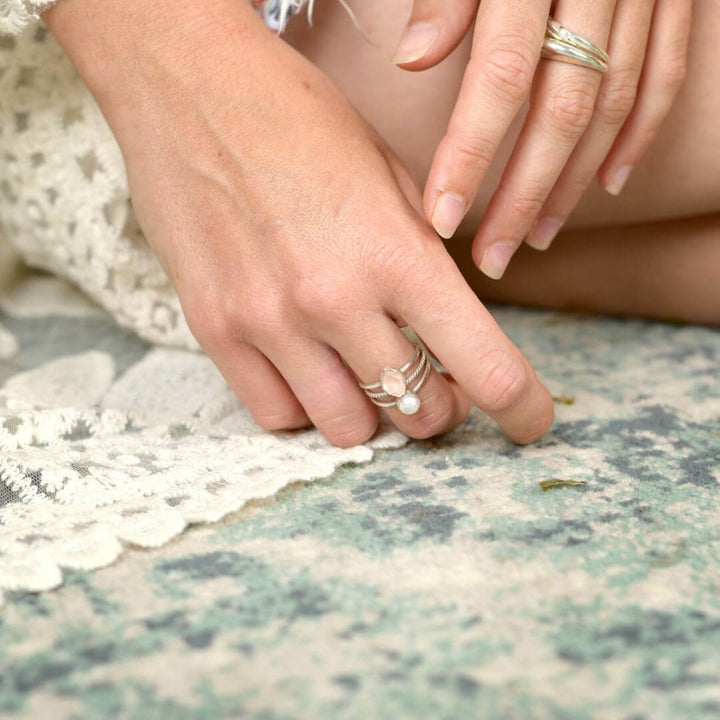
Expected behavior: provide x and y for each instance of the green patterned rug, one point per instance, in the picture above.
(462, 577)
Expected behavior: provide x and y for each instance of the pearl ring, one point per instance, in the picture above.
(398, 387)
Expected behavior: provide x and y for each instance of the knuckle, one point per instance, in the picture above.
(570, 108)
(525, 201)
(510, 66)
(406, 267)
(675, 69)
(526, 204)
(434, 417)
(261, 313)
(350, 428)
(471, 150)
(575, 185)
(221, 318)
(210, 323)
(505, 381)
(617, 97)
(386, 259)
(322, 299)
(279, 417)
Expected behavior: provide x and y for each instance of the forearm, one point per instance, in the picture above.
(125, 48)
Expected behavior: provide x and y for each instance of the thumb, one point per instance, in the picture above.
(434, 30)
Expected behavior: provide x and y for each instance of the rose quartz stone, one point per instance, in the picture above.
(392, 381)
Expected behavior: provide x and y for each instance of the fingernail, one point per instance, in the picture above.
(496, 259)
(449, 212)
(544, 232)
(618, 182)
(415, 42)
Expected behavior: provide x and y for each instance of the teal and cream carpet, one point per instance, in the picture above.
(462, 577)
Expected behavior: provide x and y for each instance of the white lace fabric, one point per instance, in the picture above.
(94, 457)
(64, 199)
(16, 15)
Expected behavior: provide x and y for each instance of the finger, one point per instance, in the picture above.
(662, 76)
(380, 345)
(561, 109)
(226, 338)
(434, 30)
(258, 385)
(461, 333)
(506, 47)
(326, 389)
(628, 43)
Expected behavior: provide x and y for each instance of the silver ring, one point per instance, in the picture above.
(564, 45)
(398, 387)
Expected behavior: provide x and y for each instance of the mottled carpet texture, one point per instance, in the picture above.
(462, 577)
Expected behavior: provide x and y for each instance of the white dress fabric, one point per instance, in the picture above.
(93, 456)
(16, 15)
(64, 199)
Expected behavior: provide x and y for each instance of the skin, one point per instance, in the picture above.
(613, 250)
(255, 196)
(260, 218)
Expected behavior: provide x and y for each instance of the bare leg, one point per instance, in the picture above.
(666, 270)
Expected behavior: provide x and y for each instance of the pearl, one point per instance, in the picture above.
(408, 404)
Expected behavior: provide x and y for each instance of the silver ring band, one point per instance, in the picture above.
(398, 387)
(564, 45)
(558, 32)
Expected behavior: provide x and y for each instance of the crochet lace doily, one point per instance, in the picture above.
(94, 456)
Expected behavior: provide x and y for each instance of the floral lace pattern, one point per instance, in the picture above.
(15, 15)
(64, 195)
(127, 444)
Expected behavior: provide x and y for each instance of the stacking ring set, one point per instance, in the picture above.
(564, 45)
(399, 387)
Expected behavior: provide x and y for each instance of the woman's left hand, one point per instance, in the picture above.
(579, 122)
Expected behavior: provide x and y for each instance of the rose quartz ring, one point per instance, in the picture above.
(398, 387)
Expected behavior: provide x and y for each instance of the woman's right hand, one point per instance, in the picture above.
(294, 237)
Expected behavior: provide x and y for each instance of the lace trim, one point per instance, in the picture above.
(15, 15)
(277, 13)
(95, 457)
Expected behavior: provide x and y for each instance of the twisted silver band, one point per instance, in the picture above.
(564, 45)
(398, 387)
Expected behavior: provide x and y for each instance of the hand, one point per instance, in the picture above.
(579, 122)
(292, 234)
